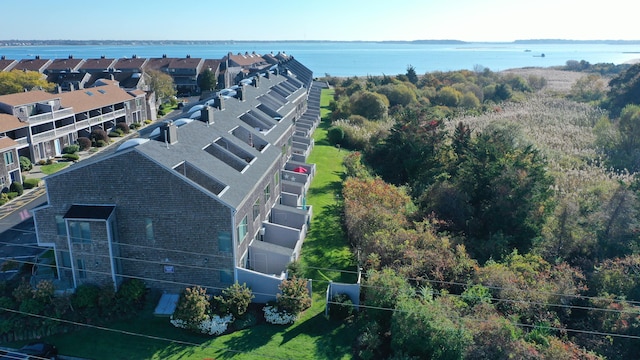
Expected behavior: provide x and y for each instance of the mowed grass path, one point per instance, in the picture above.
(313, 336)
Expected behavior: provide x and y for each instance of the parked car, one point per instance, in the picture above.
(38, 350)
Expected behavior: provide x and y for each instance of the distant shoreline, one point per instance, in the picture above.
(14, 42)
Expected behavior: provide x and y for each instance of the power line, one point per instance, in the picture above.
(128, 333)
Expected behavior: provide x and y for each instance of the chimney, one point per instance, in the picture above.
(276, 71)
(169, 132)
(241, 92)
(70, 57)
(188, 56)
(219, 102)
(267, 74)
(256, 81)
(164, 56)
(134, 56)
(103, 57)
(4, 57)
(207, 114)
(37, 57)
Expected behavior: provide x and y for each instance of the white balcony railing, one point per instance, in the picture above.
(50, 116)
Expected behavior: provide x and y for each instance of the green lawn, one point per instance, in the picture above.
(311, 337)
(52, 168)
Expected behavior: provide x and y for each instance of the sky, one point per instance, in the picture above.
(339, 20)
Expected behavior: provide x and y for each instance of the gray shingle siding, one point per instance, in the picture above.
(186, 222)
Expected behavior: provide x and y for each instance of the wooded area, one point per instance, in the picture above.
(495, 214)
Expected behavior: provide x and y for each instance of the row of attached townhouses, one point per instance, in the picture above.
(215, 197)
(73, 73)
(38, 125)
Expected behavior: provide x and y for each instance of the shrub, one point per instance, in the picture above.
(101, 143)
(11, 195)
(71, 149)
(295, 268)
(31, 183)
(136, 125)
(237, 297)
(335, 135)
(131, 292)
(341, 307)
(191, 309)
(295, 296)
(25, 164)
(84, 143)
(115, 134)
(16, 187)
(274, 315)
(148, 121)
(71, 157)
(86, 296)
(99, 134)
(122, 126)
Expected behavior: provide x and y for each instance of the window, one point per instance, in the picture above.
(82, 270)
(61, 226)
(267, 194)
(148, 225)
(276, 178)
(8, 158)
(80, 231)
(256, 210)
(242, 230)
(224, 242)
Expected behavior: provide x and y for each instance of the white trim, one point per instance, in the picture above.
(111, 258)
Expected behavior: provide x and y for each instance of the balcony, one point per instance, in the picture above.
(50, 116)
(99, 119)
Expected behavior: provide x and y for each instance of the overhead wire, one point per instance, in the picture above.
(130, 333)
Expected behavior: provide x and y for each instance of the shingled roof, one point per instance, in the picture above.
(10, 122)
(94, 98)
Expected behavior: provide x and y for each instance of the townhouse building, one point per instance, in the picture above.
(215, 197)
(42, 124)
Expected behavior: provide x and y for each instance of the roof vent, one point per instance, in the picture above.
(207, 114)
(169, 132)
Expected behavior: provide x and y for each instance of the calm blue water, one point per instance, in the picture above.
(363, 58)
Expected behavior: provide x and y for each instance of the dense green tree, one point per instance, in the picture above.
(624, 89)
(469, 101)
(207, 80)
(448, 96)
(411, 74)
(428, 330)
(412, 152)
(508, 191)
(372, 106)
(16, 81)
(398, 94)
(162, 84)
(382, 291)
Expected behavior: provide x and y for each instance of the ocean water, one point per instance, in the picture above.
(362, 58)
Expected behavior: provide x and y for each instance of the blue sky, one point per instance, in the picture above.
(468, 20)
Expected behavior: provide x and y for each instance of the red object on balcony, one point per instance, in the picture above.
(300, 169)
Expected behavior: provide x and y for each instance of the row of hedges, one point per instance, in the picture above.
(90, 304)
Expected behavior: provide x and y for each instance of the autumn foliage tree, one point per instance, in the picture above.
(16, 81)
